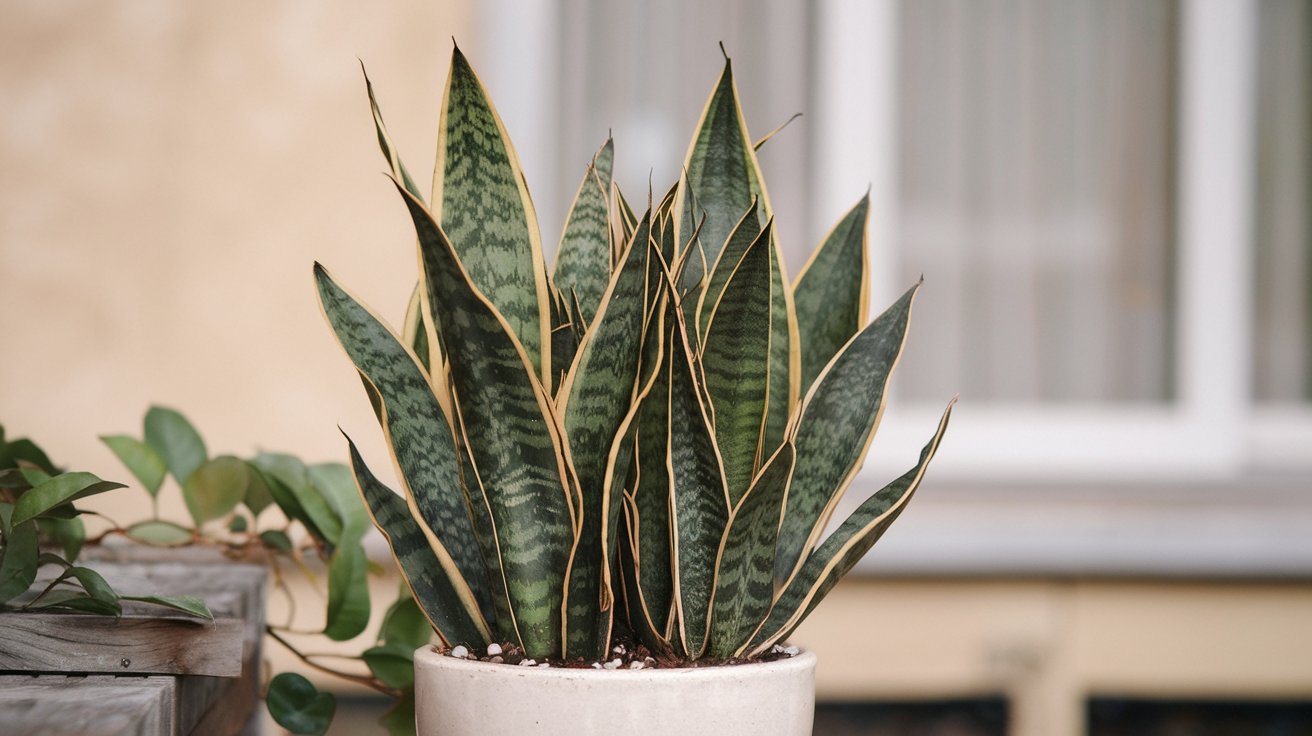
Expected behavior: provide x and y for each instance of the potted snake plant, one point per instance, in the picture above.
(617, 473)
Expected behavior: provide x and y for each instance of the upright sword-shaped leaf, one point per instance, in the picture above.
(513, 437)
(483, 205)
(583, 262)
(436, 595)
(835, 427)
(832, 291)
(418, 434)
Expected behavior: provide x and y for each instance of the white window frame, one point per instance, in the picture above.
(1212, 431)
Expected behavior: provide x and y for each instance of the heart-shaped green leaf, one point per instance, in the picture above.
(140, 459)
(298, 706)
(173, 438)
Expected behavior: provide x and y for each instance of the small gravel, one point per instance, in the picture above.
(460, 651)
(493, 649)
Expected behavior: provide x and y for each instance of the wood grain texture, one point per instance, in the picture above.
(133, 644)
(98, 705)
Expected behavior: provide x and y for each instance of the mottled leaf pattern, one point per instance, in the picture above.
(418, 433)
(737, 366)
(744, 580)
(597, 395)
(744, 234)
(722, 180)
(841, 551)
(700, 507)
(838, 422)
(583, 261)
(424, 574)
(832, 291)
(482, 203)
(513, 439)
(619, 444)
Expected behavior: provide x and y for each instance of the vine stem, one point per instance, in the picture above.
(368, 682)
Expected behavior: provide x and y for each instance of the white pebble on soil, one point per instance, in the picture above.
(618, 650)
(596, 665)
(792, 651)
(636, 665)
(545, 664)
(614, 664)
(460, 651)
(493, 649)
(528, 662)
(496, 660)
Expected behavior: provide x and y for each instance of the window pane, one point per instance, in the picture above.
(1037, 196)
(1283, 331)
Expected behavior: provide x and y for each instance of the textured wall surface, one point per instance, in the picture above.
(168, 173)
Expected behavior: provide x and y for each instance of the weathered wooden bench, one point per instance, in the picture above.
(145, 673)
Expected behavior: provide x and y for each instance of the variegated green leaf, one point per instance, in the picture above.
(836, 426)
(433, 590)
(832, 291)
(744, 581)
(648, 506)
(596, 398)
(736, 359)
(385, 144)
(583, 261)
(842, 549)
(483, 205)
(513, 439)
(418, 434)
(700, 508)
(414, 332)
(744, 234)
(722, 178)
(564, 340)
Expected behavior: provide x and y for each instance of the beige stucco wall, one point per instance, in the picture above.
(168, 173)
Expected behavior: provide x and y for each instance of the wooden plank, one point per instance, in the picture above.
(96, 705)
(66, 643)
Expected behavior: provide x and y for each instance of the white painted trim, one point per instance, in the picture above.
(1218, 53)
(855, 135)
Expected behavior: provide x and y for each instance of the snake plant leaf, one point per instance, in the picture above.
(832, 291)
(417, 432)
(57, 491)
(385, 144)
(832, 560)
(700, 509)
(836, 425)
(483, 205)
(414, 332)
(623, 222)
(583, 261)
(453, 620)
(745, 570)
(513, 436)
(177, 442)
(597, 394)
(736, 359)
(721, 173)
(647, 505)
(744, 234)
(140, 459)
(722, 178)
(564, 339)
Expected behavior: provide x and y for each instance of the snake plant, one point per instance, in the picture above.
(647, 440)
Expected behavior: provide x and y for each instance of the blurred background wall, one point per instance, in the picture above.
(1109, 200)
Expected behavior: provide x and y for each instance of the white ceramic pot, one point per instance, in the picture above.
(456, 697)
